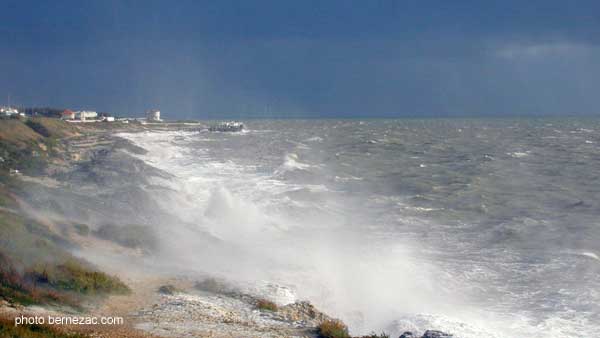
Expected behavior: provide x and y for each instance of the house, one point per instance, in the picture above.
(8, 111)
(84, 114)
(153, 115)
(68, 115)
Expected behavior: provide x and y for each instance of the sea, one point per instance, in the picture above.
(481, 227)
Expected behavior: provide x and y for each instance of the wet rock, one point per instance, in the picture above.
(436, 334)
(427, 334)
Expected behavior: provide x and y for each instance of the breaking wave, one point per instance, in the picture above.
(470, 244)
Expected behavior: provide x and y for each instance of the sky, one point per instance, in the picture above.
(284, 58)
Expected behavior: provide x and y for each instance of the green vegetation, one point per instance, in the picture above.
(35, 267)
(17, 133)
(28, 242)
(74, 276)
(9, 330)
(52, 128)
(266, 305)
(333, 329)
(27, 144)
(15, 288)
(38, 127)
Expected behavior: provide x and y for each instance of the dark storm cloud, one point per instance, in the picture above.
(334, 58)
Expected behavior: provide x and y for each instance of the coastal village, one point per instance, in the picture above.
(151, 116)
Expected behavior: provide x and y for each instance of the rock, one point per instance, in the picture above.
(436, 334)
(427, 334)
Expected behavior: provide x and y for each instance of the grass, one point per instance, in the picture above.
(50, 127)
(9, 330)
(16, 132)
(27, 144)
(333, 329)
(14, 287)
(74, 276)
(36, 269)
(28, 242)
(266, 305)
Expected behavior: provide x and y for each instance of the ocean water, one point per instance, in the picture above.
(473, 226)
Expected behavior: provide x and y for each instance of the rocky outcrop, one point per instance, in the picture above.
(427, 334)
(302, 313)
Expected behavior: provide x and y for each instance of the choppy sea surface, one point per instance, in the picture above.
(472, 226)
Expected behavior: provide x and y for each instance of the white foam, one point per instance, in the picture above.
(519, 154)
(292, 163)
(314, 139)
(590, 255)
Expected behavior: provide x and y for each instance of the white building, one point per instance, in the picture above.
(8, 111)
(84, 114)
(153, 115)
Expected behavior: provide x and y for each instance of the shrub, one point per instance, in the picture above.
(38, 127)
(73, 276)
(333, 329)
(15, 288)
(266, 305)
(167, 289)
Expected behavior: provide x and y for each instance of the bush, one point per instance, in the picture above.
(333, 329)
(15, 288)
(38, 127)
(168, 289)
(73, 276)
(266, 305)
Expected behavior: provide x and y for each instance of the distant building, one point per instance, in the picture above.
(109, 118)
(153, 115)
(84, 114)
(8, 111)
(68, 115)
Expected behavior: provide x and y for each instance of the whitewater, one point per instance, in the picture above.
(477, 227)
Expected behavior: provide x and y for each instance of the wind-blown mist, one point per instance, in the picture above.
(470, 226)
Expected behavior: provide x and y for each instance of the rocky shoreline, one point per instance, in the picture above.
(94, 182)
